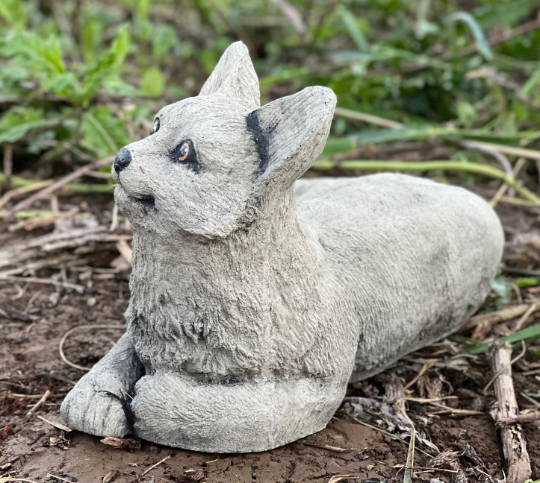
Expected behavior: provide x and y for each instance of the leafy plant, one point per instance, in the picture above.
(81, 79)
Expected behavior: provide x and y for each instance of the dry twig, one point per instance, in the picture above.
(425, 367)
(514, 446)
(510, 364)
(522, 418)
(49, 190)
(522, 323)
(22, 190)
(335, 449)
(82, 327)
(55, 424)
(45, 281)
(337, 478)
(504, 315)
(125, 250)
(8, 161)
(56, 477)
(156, 465)
(36, 406)
(504, 187)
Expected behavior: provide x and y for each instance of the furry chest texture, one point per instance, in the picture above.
(218, 320)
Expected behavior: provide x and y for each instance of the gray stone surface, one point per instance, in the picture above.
(256, 299)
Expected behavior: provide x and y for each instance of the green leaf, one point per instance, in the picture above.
(489, 14)
(423, 26)
(152, 83)
(12, 12)
(527, 282)
(91, 33)
(108, 66)
(354, 30)
(337, 145)
(532, 83)
(142, 9)
(165, 39)
(285, 74)
(103, 132)
(41, 55)
(209, 59)
(467, 113)
(479, 37)
(525, 334)
(19, 122)
(500, 287)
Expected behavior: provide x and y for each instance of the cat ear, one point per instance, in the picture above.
(290, 133)
(235, 77)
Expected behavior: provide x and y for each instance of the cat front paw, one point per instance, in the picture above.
(96, 407)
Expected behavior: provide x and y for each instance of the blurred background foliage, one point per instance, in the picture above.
(80, 79)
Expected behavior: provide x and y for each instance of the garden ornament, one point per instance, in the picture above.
(256, 298)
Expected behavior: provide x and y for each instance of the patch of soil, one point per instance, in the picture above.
(30, 364)
(33, 319)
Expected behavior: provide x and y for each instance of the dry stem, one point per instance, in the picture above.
(514, 446)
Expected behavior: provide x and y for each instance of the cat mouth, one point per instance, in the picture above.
(146, 202)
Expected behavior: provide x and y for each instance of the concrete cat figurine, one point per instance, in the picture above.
(252, 305)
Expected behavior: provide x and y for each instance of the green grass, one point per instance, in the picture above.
(83, 79)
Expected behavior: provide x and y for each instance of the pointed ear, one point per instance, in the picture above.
(290, 133)
(235, 77)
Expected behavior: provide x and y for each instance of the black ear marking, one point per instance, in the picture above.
(185, 154)
(260, 137)
(155, 126)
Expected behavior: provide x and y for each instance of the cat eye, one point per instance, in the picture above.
(184, 152)
(155, 126)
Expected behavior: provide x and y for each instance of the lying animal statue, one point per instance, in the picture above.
(252, 304)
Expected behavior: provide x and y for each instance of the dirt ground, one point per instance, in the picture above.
(34, 317)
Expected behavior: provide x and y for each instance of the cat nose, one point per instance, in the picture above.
(123, 158)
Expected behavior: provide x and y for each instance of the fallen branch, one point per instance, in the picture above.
(523, 418)
(514, 446)
(503, 315)
(49, 190)
(68, 248)
(71, 187)
(510, 364)
(22, 190)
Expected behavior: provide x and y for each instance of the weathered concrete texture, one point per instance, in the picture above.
(251, 308)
